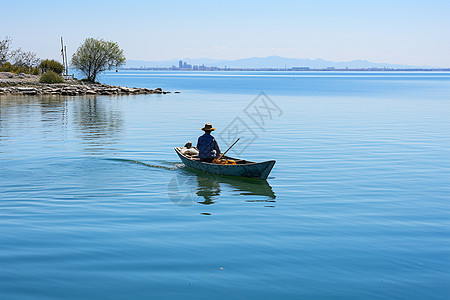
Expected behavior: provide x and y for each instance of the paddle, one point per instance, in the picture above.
(228, 149)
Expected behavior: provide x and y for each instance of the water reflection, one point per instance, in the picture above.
(99, 125)
(97, 121)
(190, 186)
(54, 114)
(208, 188)
(48, 113)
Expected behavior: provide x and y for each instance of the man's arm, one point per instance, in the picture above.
(216, 147)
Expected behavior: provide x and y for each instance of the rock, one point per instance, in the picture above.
(29, 85)
(128, 90)
(69, 93)
(30, 93)
(112, 91)
(25, 89)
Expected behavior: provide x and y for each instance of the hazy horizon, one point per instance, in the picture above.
(400, 32)
(273, 61)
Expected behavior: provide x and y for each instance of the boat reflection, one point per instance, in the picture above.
(210, 186)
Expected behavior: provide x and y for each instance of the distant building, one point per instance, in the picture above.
(180, 64)
(300, 68)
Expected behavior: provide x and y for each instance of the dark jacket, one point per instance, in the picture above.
(207, 146)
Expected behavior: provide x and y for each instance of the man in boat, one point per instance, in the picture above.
(207, 145)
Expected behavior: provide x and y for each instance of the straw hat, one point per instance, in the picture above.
(208, 127)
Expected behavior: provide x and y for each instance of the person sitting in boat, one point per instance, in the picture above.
(207, 145)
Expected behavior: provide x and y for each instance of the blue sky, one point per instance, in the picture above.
(401, 32)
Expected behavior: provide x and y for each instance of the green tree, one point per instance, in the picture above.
(96, 56)
(51, 65)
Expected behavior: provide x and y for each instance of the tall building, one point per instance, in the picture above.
(180, 64)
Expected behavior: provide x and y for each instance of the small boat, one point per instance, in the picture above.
(243, 168)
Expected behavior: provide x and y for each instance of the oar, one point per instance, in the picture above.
(228, 149)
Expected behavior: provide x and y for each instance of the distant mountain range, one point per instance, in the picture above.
(267, 62)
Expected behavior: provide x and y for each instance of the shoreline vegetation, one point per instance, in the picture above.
(23, 73)
(28, 84)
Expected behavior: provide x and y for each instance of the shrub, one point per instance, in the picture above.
(51, 77)
(51, 65)
(8, 67)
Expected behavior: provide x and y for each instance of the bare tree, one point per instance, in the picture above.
(5, 53)
(26, 59)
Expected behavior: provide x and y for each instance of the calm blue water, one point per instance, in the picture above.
(95, 204)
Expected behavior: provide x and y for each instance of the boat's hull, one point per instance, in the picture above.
(251, 170)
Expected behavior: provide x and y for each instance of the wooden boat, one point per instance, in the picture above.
(243, 168)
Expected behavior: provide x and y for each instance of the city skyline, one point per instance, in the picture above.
(270, 62)
(395, 32)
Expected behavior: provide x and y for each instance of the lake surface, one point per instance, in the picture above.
(94, 203)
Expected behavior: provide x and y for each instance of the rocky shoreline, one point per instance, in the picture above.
(25, 84)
